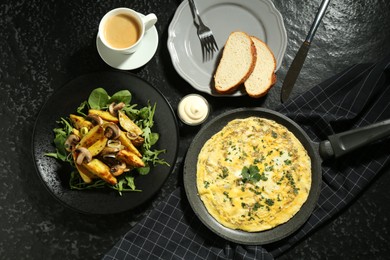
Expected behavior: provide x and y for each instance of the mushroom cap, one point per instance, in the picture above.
(109, 150)
(83, 156)
(114, 107)
(95, 119)
(112, 131)
(118, 169)
(71, 142)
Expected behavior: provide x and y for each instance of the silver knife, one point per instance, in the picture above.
(296, 65)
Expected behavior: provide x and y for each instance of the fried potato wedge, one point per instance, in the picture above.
(101, 170)
(80, 122)
(98, 146)
(86, 175)
(128, 124)
(126, 142)
(105, 115)
(93, 135)
(138, 141)
(76, 132)
(129, 158)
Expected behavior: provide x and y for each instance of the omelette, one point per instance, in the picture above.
(253, 175)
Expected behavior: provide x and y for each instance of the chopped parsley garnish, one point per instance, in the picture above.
(227, 195)
(291, 181)
(257, 206)
(250, 174)
(269, 202)
(287, 162)
(259, 160)
(225, 173)
(255, 191)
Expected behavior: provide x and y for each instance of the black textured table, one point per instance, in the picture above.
(44, 44)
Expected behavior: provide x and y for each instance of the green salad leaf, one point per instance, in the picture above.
(61, 134)
(98, 98)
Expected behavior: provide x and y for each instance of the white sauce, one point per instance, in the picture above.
(193, 109)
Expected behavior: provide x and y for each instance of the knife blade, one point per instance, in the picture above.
(299, 60)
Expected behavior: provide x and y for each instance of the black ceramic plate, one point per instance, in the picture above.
(55, 175)
(238, 236)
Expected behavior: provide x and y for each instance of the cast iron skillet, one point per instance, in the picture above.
(335, 146)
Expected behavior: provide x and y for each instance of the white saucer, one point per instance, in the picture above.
(130, 61)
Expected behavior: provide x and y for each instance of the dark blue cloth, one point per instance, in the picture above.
(356, 97)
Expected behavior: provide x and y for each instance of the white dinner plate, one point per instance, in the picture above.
(259, 18)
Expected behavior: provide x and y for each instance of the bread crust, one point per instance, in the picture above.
(263, 93)
(223, 62)
(262, 90)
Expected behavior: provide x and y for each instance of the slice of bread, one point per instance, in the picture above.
(263, 76)
(236, 64)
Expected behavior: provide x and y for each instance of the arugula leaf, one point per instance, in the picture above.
(61, 134)
(125, 184)
(83, 107)
(130, 182)
(131, 111)
(146, 122)
(76, 183)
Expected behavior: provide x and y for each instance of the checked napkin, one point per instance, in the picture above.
(356, 97)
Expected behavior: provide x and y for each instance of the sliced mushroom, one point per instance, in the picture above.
(113, 108)
(71, 142)
(137, 140)
(109, 154)
(109, 150)
(115, 143)
(95, 119)
(83, 156)
(112, 131)
(118, 169)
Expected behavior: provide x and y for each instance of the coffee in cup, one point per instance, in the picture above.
(122, 29)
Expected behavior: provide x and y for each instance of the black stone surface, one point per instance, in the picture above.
(46, 43)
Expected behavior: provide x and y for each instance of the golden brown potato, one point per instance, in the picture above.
(127, 124)
(138, 141)
(128, 144)
(101, 170)
(79, 122)
(105, 115)
(86, 175)
(129, 158)
(93, 135)
(76, 132)
(98, 146)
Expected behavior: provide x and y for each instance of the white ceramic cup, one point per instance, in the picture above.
(144, 24)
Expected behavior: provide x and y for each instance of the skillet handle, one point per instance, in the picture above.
(345, 142)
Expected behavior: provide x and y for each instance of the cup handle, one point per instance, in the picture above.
(149, 20)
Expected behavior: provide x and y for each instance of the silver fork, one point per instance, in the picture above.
(205, 35)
